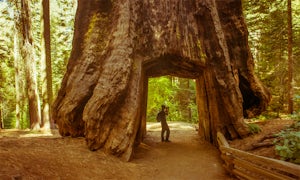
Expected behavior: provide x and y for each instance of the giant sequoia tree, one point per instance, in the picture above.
(119, 44)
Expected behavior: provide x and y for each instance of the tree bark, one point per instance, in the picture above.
(118, 45)
(1, 119)
(30, 69)
(19, 64)
(18, 78)
(46, 69)
(290, 59)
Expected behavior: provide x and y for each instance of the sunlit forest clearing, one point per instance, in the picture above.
(81, 84)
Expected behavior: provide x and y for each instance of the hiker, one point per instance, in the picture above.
(161, 117)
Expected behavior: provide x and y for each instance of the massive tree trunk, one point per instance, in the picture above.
(118, 45)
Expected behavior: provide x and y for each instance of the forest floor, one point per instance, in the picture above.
(29, 155)
(268, 128)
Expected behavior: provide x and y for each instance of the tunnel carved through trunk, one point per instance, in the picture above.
(119, 44)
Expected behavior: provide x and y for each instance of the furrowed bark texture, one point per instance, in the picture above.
(119, 44)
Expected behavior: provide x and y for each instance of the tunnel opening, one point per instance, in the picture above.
(178, 76)
(179, 96)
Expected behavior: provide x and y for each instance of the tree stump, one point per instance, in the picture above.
(119, 44)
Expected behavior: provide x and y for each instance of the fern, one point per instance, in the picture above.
(288, 145)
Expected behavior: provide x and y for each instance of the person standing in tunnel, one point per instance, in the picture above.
(162, 118)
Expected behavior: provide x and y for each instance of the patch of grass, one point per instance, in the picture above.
(254, 128)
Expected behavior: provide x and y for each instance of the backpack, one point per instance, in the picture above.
(159, 116)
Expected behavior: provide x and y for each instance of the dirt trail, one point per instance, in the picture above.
(26, 156)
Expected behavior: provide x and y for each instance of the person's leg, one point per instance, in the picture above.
(162, 134)
(168, 134)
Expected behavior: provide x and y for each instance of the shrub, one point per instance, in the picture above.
(288, 144)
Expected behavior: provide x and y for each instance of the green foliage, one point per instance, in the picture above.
(288, 145)
(62, 27)
(9, 121)
(176, 93)
(62, 20)
(262, 117)
(7, 96)
(254, 128)
(267, 25)
(159, 92)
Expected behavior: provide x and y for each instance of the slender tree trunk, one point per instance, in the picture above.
(46, 69)
(20, 81)
(290, 60)
(30, 66)
(1, 118)
(17, 77)
(190, 115)
(184, 99)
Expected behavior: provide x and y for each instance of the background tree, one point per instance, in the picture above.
(27, 52)
(187, 98)
(62, 28)
(178, 94)
(267, 23)
(46, 67)
(18, 76)
(161, 91)
(1, 119)
(290, 59)
(12, 89)
(7, 81)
